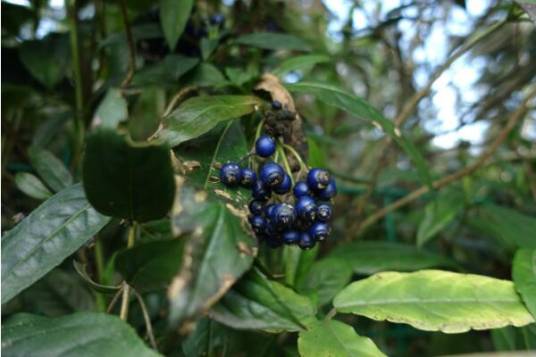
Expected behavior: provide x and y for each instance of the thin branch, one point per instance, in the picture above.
(510, 124)
(123, 314)
(131, 46)
(114, 300)
(147, 319)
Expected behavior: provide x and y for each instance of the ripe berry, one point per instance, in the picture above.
(258, 224)
(217, 19)
(301, 189)
(291, 237)
(283, 215)
(265, 146)
(284, 186)
(319, 231)
(306, 208)
(276, 105)
(248, 177)
(230, 174)
(256, 207)
(306, 242)
(269, 211)
(318, 179)
(271, 174)
(260, 192)
(323, 212)
(328, 192)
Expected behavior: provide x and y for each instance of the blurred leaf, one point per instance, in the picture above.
(362, 109)
(173, 17)
(240, 76)
(113, 109)
(78, 334)
(256, 302)
(106, 289)
(334, 338)
(14, 16)
(198, 115)
(167, 71)
(372, 257)
(134, 182)
(32, 186)
(206, 75)
(317, 156)
(514, 338)
(47, 58)
(273, 41)
(151, 266)
(524, 275)
(51, 233)
(438, 214)
(147, 113)
(50, 168)
(434, 300)
(297, 263)
(302, 63)
(325, 278)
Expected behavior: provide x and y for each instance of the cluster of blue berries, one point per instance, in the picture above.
(279, 213)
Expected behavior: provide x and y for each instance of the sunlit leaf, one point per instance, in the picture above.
(524, 275)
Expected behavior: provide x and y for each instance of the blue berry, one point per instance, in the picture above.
(271, 174)
(306, 242)
(317, 179)
(328, 192)
(319, 231)
(284, 186)
(270, 229)
(248, 177)
(269, 211)
(256, 207)
(291, 237)
(230, 174)
(258, 224)
(265, 146)
(306, 208)
(283, 215)
(301, 189)
(216, 19)
(260, 192)
(276, 105)
(323, 212)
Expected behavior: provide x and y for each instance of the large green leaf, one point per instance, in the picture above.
(273, 41)
(173, 18)
(333, 338)
(507, 225)
(80, 334)
(217, 252)
(50, 168)
(32, 186)
(303, 63)
(151, 266)
(435, 300)
(127, 180)
(438, 214)
(524, 275)
(112, 109)
(372, 257)
(362, 109)
(198, 115)
(51, 233)
(256, 302)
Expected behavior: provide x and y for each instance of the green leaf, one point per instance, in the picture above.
(256, 302)
(297, 263)
(435, 300)
(302, 63)
(206, 75)
(147, 113)
(363, 110)
(151, 266)
(326, 278)
(113, 109)
(216, 254)
(524, 275)
(198, 115)
(79, 334)
(507, 225)
(167, 71)
(514, 338)
(173, 18)
(273, 41)
(32, 186)
(334, 338)
(438, 214)
(46, 59)
(50, 168)
(135, 181)
(52, 232)
(373, 256)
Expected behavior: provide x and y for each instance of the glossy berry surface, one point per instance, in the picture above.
(306, 242)
(256, 207)
(230, 174)
(291, 237)
(328, 192)
(306, 208)
(269, 211)
(319, 231)
(271, 174)
(301, 189)
(323, 212)
(265, 146)
(249, 177)
(283, 215)
(260, 192)
(258, 224)
(284, 186)
(317, 179)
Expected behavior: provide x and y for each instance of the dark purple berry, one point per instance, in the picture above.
(306, 208)
(217, 19)
(271, 174)
(260, 192)
(323, 212)
(249, 177)
(276, 105)
(269, 211)
(291, 237)
(328, 192)
(230, 174)
(306, 242)
(256, 207)
(258, 224)
(284, 186)
(301, 189)
(265, 146)
(318, 179)
(319, 231)
(283, 215)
